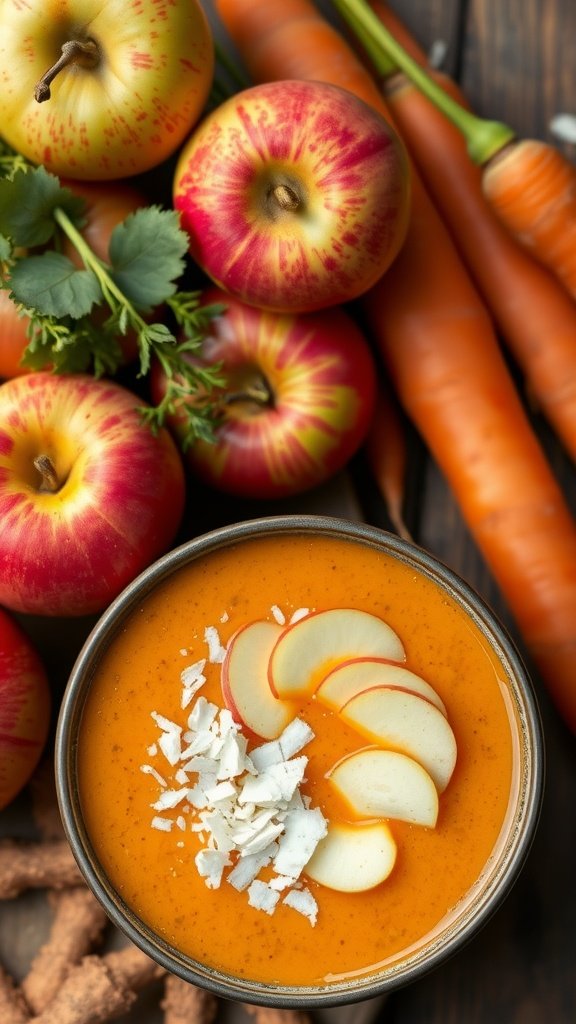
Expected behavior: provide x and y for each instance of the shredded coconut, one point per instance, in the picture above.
(300, 613)
(278, 614)
(216, 652)
(245, 808)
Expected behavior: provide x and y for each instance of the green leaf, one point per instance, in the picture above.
(53, 286)
(5, 249)
(27, 203)
(147, 256)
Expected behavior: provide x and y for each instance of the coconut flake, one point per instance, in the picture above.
(299, 613)
(288, 775)
(303, 830)
(245, 808)
(148, 769)
(303, 901)
(278, 615)
(295, 737)
(202, 716)
(262, 897)
(247, 868)
(216, 652)
(169, 799)
(162, 824)
(265, 755)
(192, 677)
(210, 865)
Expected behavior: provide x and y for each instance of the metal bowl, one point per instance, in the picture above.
(472, 911)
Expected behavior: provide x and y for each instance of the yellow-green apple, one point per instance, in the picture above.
(101, 89)
(295, 195)
(89, 496)
(377, 783)
(296, 404)
(353, 857)
(358, 674)
(24, 708)
(245, 686)
(408, 723)
(308, 649)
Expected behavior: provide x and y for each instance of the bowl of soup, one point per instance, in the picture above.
(299, 761)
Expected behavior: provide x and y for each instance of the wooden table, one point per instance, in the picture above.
(516, 62)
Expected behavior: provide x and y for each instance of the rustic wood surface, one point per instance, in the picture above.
(517, 62)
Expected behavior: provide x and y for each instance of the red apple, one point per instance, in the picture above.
(297, 402)
(89, 496)
(295, 195)
(24, 708)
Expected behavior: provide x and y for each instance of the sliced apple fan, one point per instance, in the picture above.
(246, 809)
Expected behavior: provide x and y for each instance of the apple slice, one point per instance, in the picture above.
(307, 650)
(244, 680)
(386, 784)
(358, 674)
(352, 858)
(408, 723)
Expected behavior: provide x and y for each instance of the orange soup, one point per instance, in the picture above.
(149, 849)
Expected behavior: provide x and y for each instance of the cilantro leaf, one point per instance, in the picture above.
(147, 252)
(53, 286)
(27, 203)
(5, 249)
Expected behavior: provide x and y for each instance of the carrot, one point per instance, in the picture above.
(386, 453)
(451, 379)
(439, 346)
(535, 315)
(530, 185)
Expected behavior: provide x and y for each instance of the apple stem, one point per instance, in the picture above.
(258, 392)
(85, 54)
(45, 466)
(286, 197)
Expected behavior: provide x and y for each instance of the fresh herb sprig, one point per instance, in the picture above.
(77, 316)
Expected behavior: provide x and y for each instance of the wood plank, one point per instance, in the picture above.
(519, 62)
(519, 66)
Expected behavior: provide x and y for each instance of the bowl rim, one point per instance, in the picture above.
(500, 879)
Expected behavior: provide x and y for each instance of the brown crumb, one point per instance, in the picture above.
(276, 1015)
(78, 923)
(13, 1009)
(36, 865)
(91, 994)
(184, 1003)
(132, 968)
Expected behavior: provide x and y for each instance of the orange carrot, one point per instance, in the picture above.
(439, 346)
(453, 383)
(387, 456)
(530, 185)
(532, 310)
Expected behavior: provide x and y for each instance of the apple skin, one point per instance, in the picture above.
(126, 115)
(25, 703)
(345, 173)
(321, 378)
(118, 503)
